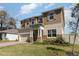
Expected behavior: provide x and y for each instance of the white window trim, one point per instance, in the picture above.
(47, 33)
(51, 37)
(53, 16)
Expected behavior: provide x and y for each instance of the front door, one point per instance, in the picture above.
(35, 35)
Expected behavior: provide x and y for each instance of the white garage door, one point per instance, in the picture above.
(24, 37)
(12, 37)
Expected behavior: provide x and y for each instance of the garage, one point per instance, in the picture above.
(24, 37)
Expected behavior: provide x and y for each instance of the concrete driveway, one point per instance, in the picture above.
(4, 44)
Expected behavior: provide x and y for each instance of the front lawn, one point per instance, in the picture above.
(36, 50)
(2, 41)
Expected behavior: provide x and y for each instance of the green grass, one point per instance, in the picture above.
(36, 50)
(1, 41)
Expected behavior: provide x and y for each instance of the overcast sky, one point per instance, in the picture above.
(22, 11)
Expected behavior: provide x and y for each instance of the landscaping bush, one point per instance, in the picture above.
(59, 40)
(55, 41)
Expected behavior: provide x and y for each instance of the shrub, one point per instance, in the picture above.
(59, 40)
(55, 41)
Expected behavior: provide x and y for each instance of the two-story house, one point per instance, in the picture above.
(46, 26)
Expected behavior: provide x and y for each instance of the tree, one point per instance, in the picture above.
(3, 15)
(74, 24)
(6, 22)
(12, 23)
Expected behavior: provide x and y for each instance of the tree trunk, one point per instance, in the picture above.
(75, 37)
(69, 38)
(1, 29)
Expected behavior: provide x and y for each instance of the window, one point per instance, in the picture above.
(52, 33)
(40, 20)
(49, 33)
(51, 16)
(32, 20)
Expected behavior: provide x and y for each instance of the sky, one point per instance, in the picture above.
(21, 11)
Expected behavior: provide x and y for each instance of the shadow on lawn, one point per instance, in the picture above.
(67, 53)
(57, 49)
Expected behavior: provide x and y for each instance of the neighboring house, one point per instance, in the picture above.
(46, 26)
(10, 34)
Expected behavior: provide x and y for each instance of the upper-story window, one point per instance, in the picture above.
(51, 16)
(40, 20)
(32, 20)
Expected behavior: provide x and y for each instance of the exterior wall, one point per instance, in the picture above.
(56, 23)
(26, 24)
(58, 28)
(66, 37)
(57, 19)
(11, 36)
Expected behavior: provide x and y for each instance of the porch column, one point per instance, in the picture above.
(31, 36)
(40, 35)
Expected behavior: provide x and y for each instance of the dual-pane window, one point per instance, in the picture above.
(40, 20)
(51, 16)
(32, 21)
(49, 33)
(52, 33)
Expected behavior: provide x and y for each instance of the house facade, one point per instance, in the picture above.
(46, 26)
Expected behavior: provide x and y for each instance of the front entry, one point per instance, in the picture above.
(35, 35)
